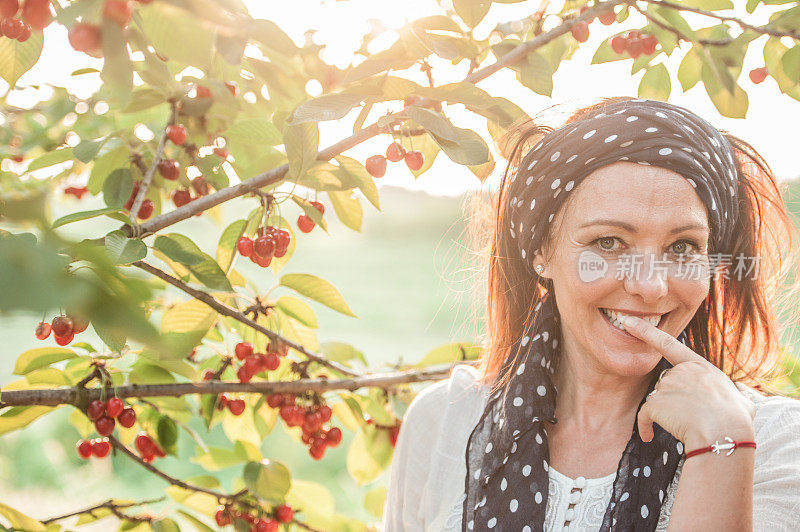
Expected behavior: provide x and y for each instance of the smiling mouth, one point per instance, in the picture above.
(614, 318)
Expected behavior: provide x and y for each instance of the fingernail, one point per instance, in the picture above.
(628, 321)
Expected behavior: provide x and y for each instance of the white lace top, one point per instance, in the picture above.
(426, 485)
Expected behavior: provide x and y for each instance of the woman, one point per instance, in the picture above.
(635, 223)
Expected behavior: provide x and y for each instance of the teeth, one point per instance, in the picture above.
(615, 318)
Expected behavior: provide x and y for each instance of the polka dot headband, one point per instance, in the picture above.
(507, 455)
(648, 132)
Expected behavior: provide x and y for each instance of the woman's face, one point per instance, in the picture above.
(619, 244)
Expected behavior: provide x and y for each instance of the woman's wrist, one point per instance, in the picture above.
(738, 429)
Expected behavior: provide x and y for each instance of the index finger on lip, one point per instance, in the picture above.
(672, 349)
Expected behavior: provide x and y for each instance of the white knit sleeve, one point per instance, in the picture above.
(403, 509)
(776, 482)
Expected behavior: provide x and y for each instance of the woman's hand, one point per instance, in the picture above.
(695, 401)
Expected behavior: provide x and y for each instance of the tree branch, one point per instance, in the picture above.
(109, 504)
(238, 316)
(75, 396)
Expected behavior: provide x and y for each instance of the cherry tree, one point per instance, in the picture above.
(225, 94)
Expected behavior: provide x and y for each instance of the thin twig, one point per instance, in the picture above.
(71, 396)
(238, 316)
(109, 504)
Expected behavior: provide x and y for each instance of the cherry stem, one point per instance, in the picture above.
(109, 504)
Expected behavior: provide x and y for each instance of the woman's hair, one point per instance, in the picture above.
(736, 328)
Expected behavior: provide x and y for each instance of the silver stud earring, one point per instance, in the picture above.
(539, 268)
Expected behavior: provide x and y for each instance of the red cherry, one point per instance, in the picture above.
(104, 425)
(24, 36)
(319, 206)
(62, 325)
(619, 44)
(200, 186)
(176, 133)
(143, 443)
(274, 400)
(64, 340)
(272, 361)
(236, 406)
(287, 413)
(79, 323)
(325, 413)
(208, 375)
(608, 18)
(127, 418)
(118, 11)
(222, 153)
(114, 407)
(84, 449)
(169, 169)
(244, 246)
(376, 165)
(284, 513)
(414, 160)
(393, 432)
(317, 450)
(8, 8)
(264, 246)
(222, 517)
(282, 239)
(252, 365)
(134, 192)
(298, 416)
(85, 38)
(584, 8)
(580, 31)
(181, 197)
(395, 152)
(243, 374)
(231, 87)
(305, 224)
(12, 27)
(243, 350)
(334, 436)
(649, 43)
(260, 260)
(203, 92)
(146, 209)
(42, 330)
(36, 13)
(757, 75)
(96, 409)
(101, 447)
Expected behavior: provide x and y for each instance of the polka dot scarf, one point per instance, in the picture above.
(507, 452)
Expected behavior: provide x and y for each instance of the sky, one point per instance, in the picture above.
(341, 24)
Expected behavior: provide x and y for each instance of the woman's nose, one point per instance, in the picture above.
(645, 275)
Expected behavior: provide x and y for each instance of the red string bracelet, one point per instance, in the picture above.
(716, 447)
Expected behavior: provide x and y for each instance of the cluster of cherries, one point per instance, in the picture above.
(87, 38)
(103, 413)
(148, 448)
(376, 165)
(282, 514)
(310, 419)
(35, 16)
(270, 242)
(99, 447)
(64, 328)
(236, 406)
(580, 30)
(393, 431)
(635, 43)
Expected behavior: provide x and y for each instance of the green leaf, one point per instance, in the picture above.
(347, 208)
(450, 353)
(17, 519)
(113, 338)
(16, 57)
(117, 72)
(326, 107)
(469, 148)
(17, 417)
(165, 525)
(182, 250)
(268, 479)
(375, 500)
(315, 500)
(341, 352)
(690, 69)
(195, 522)
(123, 250)
(536, 73)
(41, 357)
(655, 83)
(270, 34)
(301, 142)
(369, 454)
(176, 36)
(118, 188)
(435, 123)
(253, 131)
(317, 289)
(732, 105)
(51, 158)
(84, 215)
(226, 248)
(103, 165)
(352, 171)
(87, 150)
(297, 309)
(167, 433)
(472, 11)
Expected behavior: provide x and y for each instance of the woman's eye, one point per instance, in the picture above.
(605, 243)
(681, 246)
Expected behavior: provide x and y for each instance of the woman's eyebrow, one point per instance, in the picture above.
(628, 227)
